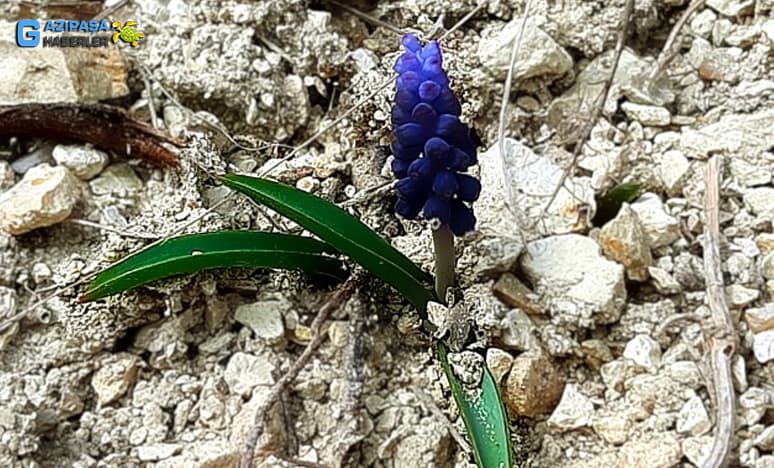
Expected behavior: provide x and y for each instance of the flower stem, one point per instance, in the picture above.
(443, 242)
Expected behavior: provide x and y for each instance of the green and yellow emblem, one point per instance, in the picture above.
(127, 32)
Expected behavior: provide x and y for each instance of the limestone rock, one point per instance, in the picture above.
(660, 227)
(533, 385)
(514, 293)
(7, 177)
(693, 418)
(644, 351)
(613, 428)
(499, 363)
(246, 371)
(58, 74)
(579, 284)
(157, 451)
(767, 266)
(760, 319)
(763, 346)
(739, 296)
(660, 450)
(575, 410)
(118, 179)
(744, 135)
(664, 282)
(83, 161)
(45, 196)
(623, 239)
(518, 331)
(114, 378)
(697, 449)
(732, 8)
(539, 54)
(765, 440)
(672, 168)
(274, 430)
(655, 116)
(264, 317)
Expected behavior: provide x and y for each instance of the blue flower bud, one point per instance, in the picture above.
(430, 143)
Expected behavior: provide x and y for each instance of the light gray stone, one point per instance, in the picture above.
(760, 200)
(45, 196)
(499, 363)
(157, 451)
(693, 418)
(739, 296)
(246, 371)
(118, 179)
(760, 319)
(702, 23)
(623, 239)
(264, 317)
(574, 411)
(581, 286)
(655, 116)
(7, 177)
(114, 377)
(660, 450)
(763, 346)
(748, 174)
(83, 161)
(539, 54)
(744, 135)
(518, 331)
(672, 168)
(765, 440)
(697, 449)
(732, 8)
(643, 351)
(664, 282)
(660, 227)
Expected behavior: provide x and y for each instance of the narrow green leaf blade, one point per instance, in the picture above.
(609, 203)
(484, 416)
(196, 252)
(341, 230)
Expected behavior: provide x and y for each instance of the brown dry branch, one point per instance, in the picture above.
(106, 127)
(669, 52)
(599, 104)
(722, 338)
(342, 294)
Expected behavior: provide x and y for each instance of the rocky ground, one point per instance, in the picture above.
(576, 317)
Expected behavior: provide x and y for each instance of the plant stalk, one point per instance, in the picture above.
(443, 243)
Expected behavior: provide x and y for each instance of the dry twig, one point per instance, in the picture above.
(599, 104)
(722, 338)
(106, 127)
(669, 51)
(342, 294)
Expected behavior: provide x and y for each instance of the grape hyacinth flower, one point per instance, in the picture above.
(433, 149)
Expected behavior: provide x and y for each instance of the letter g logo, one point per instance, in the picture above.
(27, 33)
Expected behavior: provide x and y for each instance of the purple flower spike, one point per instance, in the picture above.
(430, 143)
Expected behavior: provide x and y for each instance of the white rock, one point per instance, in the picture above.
(759, 319)
(739, 296)
(623, 239)
(58, 74)
(660, 450)
(156, 452)
(660, 227)
(693, 418)
(697, 449)
(7, 177)
(760, 200)
(245, 371)
(644, 351)
(83, 161)
(654, 116)
(747, 174)
(118, 179)
(702, 23)
(45, 196)
(732, 8)
(518, 331)
(765, 439)
(114, 378)
(664, 282)
(754, 403)
(613, 428)
(499, 363)
(672, 167)
(744, 135)
(265, 317)
(580, 285)
(574, 410)
(763, 346)
(539, 54)
(767, 266)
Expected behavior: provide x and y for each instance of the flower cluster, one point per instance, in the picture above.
(431, 146)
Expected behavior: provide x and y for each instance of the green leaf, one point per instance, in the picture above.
(484, 416)
(343, 231)
(197, 252)
(609, 203)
